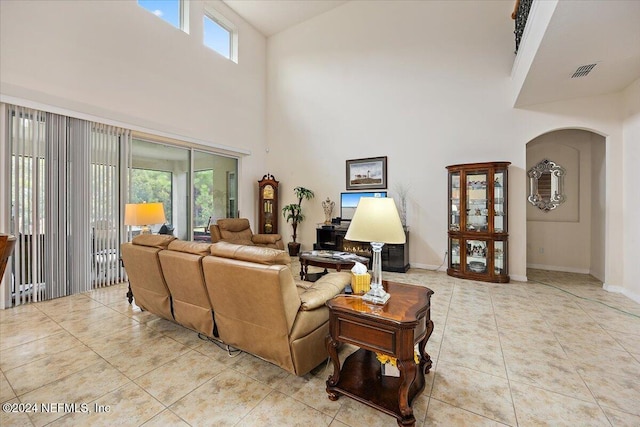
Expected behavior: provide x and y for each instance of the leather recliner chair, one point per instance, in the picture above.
(238, 231)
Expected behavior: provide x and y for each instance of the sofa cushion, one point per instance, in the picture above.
(183, 274)
(327, 287)
(236, 230)
(160, 241)
(196, 248)
(146, 279)
(257, 254)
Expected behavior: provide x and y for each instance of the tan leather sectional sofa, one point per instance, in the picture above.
(244, 296)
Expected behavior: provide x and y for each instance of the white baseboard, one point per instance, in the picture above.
(429, 267)
(559, 268)
(623, 291)
(443, 268)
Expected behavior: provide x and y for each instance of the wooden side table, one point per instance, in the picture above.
(392, 329)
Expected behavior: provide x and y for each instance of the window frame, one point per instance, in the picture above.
(225, 24)
(183, 15)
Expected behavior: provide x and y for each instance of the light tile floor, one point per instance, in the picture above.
(558, 350)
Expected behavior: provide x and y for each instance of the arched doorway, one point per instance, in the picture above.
(571, 237)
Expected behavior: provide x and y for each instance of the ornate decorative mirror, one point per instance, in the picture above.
(546, 185)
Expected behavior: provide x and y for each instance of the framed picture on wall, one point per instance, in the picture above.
(370, 173)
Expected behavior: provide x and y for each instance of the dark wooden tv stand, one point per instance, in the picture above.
(331, 237)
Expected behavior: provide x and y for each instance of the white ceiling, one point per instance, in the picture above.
(272, 16)
(605, 32)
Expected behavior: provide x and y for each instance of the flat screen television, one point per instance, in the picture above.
(349, 202)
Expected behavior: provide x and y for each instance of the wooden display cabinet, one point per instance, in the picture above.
(268, 205)
(478, 233)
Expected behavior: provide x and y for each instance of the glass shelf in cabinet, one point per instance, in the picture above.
(478, 228)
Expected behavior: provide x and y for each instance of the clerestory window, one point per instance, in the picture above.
(220, 35)
(172, 11)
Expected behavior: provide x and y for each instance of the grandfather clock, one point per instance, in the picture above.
(268, 216)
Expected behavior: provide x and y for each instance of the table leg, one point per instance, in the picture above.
(304, 267)
(130, 294)
(332, 349)
(425, 359)
(408, 371)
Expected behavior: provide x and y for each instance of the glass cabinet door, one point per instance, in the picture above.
(454, 196)
(454, 250)
(477, 208)
(499, 257)
(476, 256)
(499, 202)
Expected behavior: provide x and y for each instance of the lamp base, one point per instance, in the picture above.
(376, 296)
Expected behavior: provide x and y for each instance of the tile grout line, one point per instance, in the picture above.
(504, 361)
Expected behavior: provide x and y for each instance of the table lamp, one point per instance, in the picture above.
(376, 220)
(144, 214)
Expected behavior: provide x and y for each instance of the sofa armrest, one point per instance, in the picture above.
(327, 287)
(214, 231)
(265, 239)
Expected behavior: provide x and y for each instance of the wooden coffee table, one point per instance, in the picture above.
(326, 259)
(392, 329)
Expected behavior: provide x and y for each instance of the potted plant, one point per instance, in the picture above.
(293, 213)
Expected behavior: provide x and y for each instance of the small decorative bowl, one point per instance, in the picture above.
(477, 267)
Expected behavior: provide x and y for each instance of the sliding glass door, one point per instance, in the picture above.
(215, 190)
(160, 173)
(195, 187)
(68, 183)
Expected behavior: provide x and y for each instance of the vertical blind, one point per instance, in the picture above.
(109, 165)
(67, 177)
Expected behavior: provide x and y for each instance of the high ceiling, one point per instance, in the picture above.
(601, 32)
(605, 33)
(272, 16)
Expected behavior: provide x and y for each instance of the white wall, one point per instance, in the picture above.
(602, 115)
(561, 239)
(631, 165)
(117, 61)
(426, 84)
(394, 79)
(598, 207)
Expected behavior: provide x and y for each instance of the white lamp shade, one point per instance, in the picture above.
(144, 214)
(376, 220)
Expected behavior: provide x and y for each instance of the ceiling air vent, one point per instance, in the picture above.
(583, 70)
